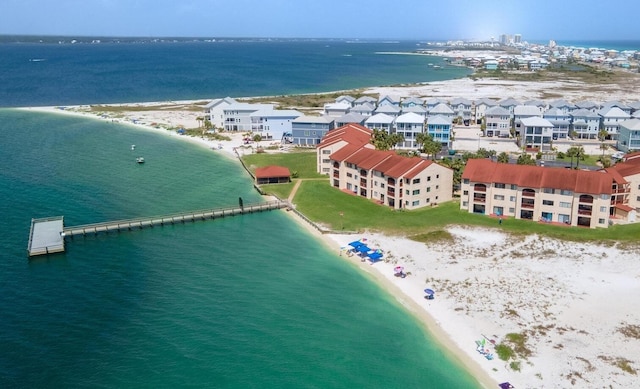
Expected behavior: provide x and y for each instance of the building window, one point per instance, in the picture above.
(465, 181)
(565, 192)
(499, 186)
(349, 175)
(429, 179)
(326, 151)
(514, 187)
(437, 176)
(416, 203)
(416, 192)
(512, 198)
(564, 204)
(465, 193)
(416, 180)
(464, 203)
(547, 202)
(603, 209)
(512, 210)
(498, 197)
(548, 190)
(325, 170)
(437, 187)
(604, 196)
(407, 193)
(601, 221)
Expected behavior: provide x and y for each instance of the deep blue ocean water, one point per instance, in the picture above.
(52, 74)
(243, 302)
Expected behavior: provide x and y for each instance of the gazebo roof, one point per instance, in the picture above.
(272, 171)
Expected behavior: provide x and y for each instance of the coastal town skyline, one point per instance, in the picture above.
(287, 19)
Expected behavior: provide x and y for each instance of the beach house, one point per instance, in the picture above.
(497, 122)
(610, 119)
(272, 124)
(543, 194)
(462, 109)
(561, 121)
(585, 123)
(481, 106)
(629, 136)
(214, 111)
(536, 133)
(380, 121)
(237, 116)
(440, 129)
(409, 125)
(309, 130)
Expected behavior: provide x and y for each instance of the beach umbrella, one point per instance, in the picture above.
(430, 292)
(398, 269)
(363, 248)
(356, 244)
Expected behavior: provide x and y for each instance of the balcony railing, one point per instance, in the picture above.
(586, 200)
(479, 199)
(584, 212)
(363, 182)
(391, 193)
(527, 205)
(529, 194)
(336, 174)
(480, 188)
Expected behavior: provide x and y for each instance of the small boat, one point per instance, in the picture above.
(133, 147)
(437, 66)
(140, 160)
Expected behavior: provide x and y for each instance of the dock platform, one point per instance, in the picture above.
(45, 236)
(48, 235)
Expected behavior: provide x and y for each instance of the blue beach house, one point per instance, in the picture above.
(309, 130)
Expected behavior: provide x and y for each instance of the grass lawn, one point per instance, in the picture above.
(304, 163)
(589, 160)
(280, 190)
(337, 210)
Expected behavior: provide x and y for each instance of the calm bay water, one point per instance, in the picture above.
(243, 302)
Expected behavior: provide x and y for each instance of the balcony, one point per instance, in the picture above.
(336, 165)
(391, 193)
(528, 193)
(336, 174)
(479, 199)
(584, 210)
(586, 199)
(391, 181)
(363, 182)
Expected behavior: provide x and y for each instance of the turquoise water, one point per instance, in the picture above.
(242, 302)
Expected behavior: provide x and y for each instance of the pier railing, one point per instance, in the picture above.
(181, 217)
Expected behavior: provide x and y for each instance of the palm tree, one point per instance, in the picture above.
(579, 155)
(503, 157)
(602, 136)
(571, 152)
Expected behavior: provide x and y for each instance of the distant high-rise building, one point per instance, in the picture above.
(517, 38)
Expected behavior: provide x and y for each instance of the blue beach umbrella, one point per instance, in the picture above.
(430, 292)
(356, 244)
(363, 248)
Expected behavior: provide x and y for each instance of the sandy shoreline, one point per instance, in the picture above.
(575, 303)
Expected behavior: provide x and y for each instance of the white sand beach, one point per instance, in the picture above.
(577, 305)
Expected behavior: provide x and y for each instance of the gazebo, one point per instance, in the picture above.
(272, 175)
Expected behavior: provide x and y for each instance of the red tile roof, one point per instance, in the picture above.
(344, 152)
(628, 168)
(368, 158)
(580, 181)
(352, 133)
(272, 171)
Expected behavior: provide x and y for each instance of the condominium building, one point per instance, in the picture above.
(554, 195)
(381, 176)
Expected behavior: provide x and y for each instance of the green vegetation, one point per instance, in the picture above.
(382, 140)
(324, 204)
(504, 352)
(303, 163)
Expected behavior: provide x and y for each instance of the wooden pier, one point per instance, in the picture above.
(47, 235)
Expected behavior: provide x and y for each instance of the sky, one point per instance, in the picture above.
(575, 20)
